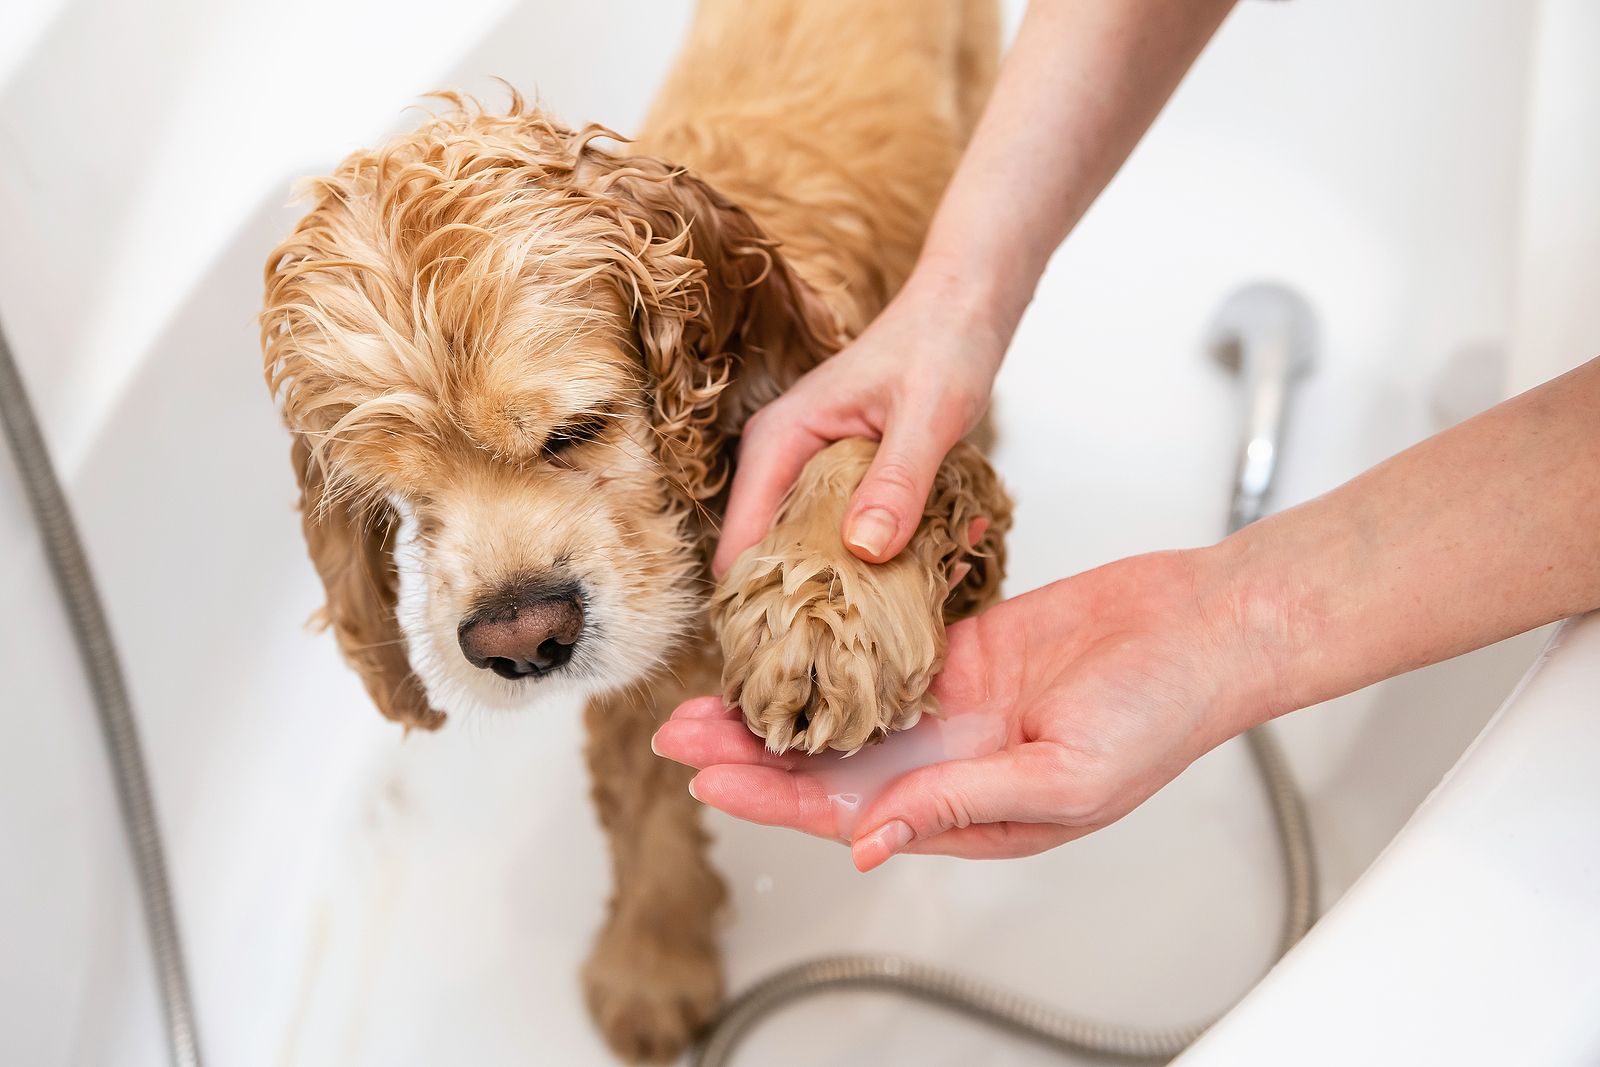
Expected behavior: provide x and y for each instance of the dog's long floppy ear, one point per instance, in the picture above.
(716, 301)
(352, 551)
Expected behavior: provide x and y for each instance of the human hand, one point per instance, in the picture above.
(1107, 685)
(917, 379)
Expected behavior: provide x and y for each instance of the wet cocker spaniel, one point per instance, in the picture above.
(515, 358)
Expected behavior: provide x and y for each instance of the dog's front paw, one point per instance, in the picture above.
(650, 999)
(822, 650)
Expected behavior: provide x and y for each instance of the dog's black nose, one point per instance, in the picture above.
(523, 635)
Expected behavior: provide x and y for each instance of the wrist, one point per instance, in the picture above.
(1256, 611)
(973, 304)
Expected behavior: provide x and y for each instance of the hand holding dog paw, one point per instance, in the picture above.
(1108, 685)
(917, 379)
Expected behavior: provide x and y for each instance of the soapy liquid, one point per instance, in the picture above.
(854, 782)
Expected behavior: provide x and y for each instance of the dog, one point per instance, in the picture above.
(515, 358)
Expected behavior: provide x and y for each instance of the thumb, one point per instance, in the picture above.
(1023, 784)
(887, 506)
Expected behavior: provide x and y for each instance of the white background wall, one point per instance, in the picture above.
(331, 878)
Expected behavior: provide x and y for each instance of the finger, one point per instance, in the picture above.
(771, 456)
(1022, 784)
(975, 531)
(997, 840)
(707, 707)
(708, 742)
(768, 796)
(887, 506)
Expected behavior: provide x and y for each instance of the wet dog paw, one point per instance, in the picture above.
(650, 1000)
(823, 650)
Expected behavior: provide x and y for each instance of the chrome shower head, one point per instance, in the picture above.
(1266, 334)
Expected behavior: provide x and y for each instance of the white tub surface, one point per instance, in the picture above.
(1473, 937)
(354, 898)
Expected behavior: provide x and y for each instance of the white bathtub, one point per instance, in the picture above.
(351, 897)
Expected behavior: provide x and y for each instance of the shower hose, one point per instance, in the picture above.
(70, 568)
(997, 1006)
(1012, 1011)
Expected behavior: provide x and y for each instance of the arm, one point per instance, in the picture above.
(1113, 681)
(1481, 532)
(1082, 83)
(1079, 88)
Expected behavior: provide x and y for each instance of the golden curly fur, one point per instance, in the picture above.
(515, 358)
(821, 650)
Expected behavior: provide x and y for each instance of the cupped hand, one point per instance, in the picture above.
(1108, 684)
(917, 379)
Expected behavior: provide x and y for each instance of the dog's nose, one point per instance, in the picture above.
(528, 635)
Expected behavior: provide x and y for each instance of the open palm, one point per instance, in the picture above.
(1104, 687)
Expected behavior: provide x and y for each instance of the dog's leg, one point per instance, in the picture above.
(653, 978)
(822, 650)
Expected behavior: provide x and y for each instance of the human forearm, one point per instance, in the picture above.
(1481, 532)
(1081, 84)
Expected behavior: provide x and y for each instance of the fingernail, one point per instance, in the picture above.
(871, 530)
(653, 747)
(691, 790)
(882, 843)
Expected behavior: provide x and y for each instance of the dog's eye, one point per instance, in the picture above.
(583, 428)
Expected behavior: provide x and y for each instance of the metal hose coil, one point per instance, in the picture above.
(1012, 1011)
(75, 583)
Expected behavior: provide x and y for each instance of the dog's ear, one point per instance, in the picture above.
(352, 549)
(715, 303)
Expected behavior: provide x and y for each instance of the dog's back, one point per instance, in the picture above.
(836, 123)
